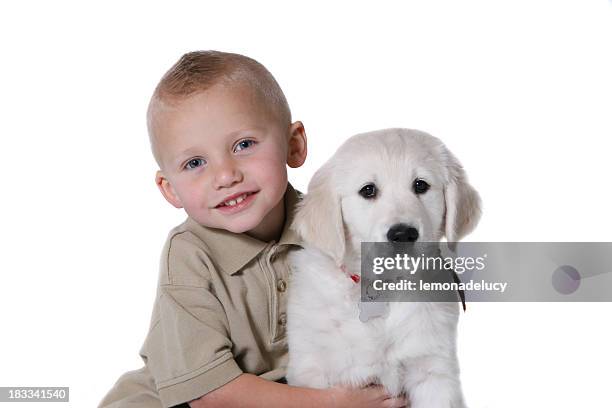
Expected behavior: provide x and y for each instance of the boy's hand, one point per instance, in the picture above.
(373, 396)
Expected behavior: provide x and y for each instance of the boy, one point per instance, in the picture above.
(221, 133)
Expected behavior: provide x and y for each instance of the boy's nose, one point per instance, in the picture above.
(226, 175)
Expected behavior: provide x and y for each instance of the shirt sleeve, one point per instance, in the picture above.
(188, 348)
(134, 389)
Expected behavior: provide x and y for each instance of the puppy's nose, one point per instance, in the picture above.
(402, 233)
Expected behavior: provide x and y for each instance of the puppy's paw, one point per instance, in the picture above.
(437, 392)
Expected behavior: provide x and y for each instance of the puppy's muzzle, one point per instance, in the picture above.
(402, 233)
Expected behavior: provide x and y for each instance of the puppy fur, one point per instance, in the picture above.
(411, 350)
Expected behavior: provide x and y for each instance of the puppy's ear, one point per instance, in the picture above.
(462, 204)
(318, 219)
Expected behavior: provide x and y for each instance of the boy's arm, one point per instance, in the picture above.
(187, 351)
(248, 390)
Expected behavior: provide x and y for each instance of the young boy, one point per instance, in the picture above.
(221, 133)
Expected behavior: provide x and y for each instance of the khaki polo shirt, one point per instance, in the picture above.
(220, 311)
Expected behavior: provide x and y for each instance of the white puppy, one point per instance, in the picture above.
(388, 185)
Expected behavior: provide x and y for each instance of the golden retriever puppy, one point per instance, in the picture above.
(396, 185)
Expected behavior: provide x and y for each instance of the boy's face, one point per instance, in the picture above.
(223, 157)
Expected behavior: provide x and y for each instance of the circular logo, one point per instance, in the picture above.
(566, 279)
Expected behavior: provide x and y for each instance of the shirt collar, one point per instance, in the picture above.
(231, 251)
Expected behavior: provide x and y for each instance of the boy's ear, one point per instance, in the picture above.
(296, 145)
(166, 189)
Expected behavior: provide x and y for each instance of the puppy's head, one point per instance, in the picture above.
(396, 185)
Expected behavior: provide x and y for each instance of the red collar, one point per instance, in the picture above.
(356, 278)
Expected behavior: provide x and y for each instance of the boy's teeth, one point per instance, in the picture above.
(236, 201)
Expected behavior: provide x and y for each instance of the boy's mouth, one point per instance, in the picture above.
(235, 199)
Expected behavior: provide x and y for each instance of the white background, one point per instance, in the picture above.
(520, 91)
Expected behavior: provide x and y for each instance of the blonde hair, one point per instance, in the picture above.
(198, 71)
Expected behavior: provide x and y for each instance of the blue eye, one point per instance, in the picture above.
(244, 144)
(194, 163)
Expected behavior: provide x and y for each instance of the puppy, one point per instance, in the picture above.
(387, 185)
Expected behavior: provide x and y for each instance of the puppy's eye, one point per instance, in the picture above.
(368, 191)
(420, 186)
